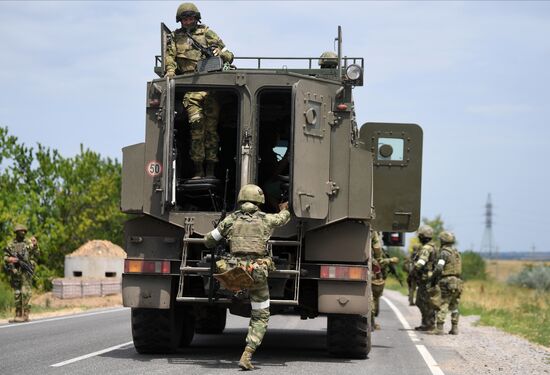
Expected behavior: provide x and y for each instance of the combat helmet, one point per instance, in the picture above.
(447, 237)
(187, 9)
(251, 193)
(328, 60)
(19, 228)
(425, 231)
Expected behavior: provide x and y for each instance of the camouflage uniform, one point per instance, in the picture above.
(423, 268)
(247, 231)
(20, 280)
(408, 266)
(449, 266)
(201, 106)
(379, 274)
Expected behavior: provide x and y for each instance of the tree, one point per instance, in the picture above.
(63, 201)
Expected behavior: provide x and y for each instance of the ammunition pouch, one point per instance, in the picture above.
(235, 279)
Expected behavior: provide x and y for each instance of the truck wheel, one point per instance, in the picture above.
(348, 336)
(210, 319)
(162, 331)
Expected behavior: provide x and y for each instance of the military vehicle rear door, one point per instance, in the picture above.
(397, 174)
(168, 156)
(165, 35)
(311, 148)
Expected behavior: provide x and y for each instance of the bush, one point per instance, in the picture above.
(532, 277)
(6, 296)
(473, 266)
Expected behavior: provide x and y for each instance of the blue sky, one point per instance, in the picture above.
(474, 75)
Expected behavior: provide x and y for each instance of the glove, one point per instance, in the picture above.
(170, 74)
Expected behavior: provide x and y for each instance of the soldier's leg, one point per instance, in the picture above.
(453, 306)
(211, 137)
(376, 294)
(259, 316)
(193, 103)
(26, 293)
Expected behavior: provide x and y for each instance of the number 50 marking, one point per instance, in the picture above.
(154, 168)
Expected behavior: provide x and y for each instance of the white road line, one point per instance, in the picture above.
(64, 317)
(430, 361)
(99, 352)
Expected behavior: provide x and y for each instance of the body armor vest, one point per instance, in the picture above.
(21, 248)
(248, 234)
(187, 55)
(453, 265)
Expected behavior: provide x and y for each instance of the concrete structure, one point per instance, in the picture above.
(96, 259)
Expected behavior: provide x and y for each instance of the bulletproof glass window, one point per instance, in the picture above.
(274, 124)
(391, 149)
(222, 111)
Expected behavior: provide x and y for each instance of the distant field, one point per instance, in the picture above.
(500, 270)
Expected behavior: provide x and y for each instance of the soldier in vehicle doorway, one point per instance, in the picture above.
(202, 107)
(422, 271)
(247, 231)
(380, 264)
(19, 262)
(447, 273)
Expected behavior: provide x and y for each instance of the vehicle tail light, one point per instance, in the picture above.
(356, 273)
(146, 266)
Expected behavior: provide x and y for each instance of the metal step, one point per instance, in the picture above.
(288, 302)
(207, 270)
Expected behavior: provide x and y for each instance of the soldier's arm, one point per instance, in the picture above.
(278, 220)
(423, 257)
(212, 39)
(220, 232)
(170, 64)
(443, 259)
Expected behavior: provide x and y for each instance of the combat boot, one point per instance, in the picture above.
(26, 315)
(210, 167)
(454, 329)
(245, 361)
(199, 171)
(437, 330)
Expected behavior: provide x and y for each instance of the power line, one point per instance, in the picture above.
(487, 242)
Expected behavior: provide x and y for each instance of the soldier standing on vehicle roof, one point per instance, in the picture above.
(247, 231)
(448, 270)
(19, 253)
(202, 108)
(379, 274)
(422, 271)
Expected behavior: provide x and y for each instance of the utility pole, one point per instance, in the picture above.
(487, 242)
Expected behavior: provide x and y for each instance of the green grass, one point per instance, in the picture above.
(517, 310)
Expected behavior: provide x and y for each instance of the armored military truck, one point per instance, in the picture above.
(293, 132)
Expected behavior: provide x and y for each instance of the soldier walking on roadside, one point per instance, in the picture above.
(202, 108)
(19, 262)
(448, 270)
(247, 231)
(423, 268)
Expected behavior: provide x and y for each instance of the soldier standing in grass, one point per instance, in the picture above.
(247, 231)
(422, 271)
(202, 107)
(19, 262)
(448, 269)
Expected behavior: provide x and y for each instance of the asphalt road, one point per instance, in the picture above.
(100, 341)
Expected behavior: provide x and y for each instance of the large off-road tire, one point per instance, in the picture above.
(210, 319)
(348, 336)
(162, 331)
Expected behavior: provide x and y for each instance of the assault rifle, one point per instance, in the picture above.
(211, 63)
(392, 268)
(220, 246)
(27, 267)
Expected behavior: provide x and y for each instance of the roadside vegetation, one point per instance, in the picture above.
(511, 295)
(64, 202)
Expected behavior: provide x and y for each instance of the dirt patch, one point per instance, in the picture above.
(46, 305)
